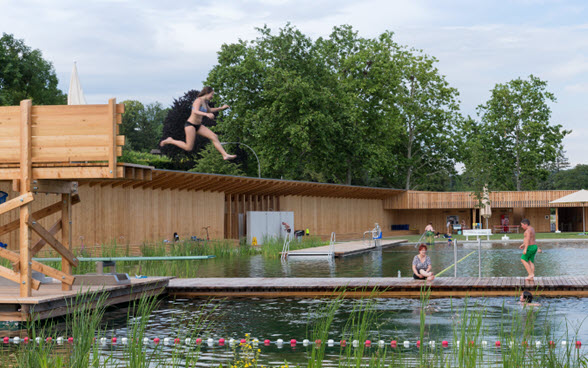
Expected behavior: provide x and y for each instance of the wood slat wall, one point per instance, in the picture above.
(64, 133)
(526, 199)
(323, 215)
(129, 216)
(418, 219)
(240, 204)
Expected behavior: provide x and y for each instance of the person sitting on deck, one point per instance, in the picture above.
(421, 265)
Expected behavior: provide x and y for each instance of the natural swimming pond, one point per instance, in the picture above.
(397, 319)
(480, 319)
(497, 259)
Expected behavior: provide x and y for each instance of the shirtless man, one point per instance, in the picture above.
(529, 249)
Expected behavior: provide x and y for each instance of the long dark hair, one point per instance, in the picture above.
(205, 90)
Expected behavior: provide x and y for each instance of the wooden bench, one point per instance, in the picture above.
(509, 228)
(477, 233)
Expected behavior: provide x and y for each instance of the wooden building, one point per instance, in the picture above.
(147, 204)
(63, 161)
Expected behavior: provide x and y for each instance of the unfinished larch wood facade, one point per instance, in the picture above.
(62, 161)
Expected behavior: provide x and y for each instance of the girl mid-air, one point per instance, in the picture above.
(194, 125)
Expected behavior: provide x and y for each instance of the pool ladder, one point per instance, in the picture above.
(286, 249)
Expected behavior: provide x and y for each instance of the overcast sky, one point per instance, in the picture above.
(157, 50)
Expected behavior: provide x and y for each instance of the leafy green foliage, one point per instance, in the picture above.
(148, 159)
(211, 162)
(24, 74)
(142, 125)
(343, 109)
(515, 141)
(573, 179)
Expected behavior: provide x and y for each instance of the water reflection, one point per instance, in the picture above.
(398, 319)
(497, 259)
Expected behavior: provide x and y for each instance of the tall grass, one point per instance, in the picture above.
(521, 326)
(321, 326)
(83, 324)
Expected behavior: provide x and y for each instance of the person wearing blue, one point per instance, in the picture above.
(194, 125)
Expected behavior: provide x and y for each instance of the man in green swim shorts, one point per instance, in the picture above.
(529, 249)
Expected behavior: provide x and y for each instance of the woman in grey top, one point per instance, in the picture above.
(421, 265)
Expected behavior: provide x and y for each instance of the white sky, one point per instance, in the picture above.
(156, 51)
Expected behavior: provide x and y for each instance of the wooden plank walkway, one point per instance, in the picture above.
(385, 287)
(50, 301)
(347, 248)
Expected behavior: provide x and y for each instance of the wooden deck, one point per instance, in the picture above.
(386, 287)
(50, 301)
(345, 249)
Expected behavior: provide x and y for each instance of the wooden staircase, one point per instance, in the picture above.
(42, 148)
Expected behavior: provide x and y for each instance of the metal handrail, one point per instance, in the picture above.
(332, 245)
(285, 247)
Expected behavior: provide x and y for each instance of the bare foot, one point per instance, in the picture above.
(229, 157)
(530, 278)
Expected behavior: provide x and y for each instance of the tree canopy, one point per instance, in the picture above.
(342, 109)
(515, 142)
(24, 74)
(142, 125)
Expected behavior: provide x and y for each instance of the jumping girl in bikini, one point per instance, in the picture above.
(194, 125)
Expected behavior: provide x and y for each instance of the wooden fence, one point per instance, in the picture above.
(67, 142)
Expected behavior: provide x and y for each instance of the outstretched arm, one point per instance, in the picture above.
(215, 109)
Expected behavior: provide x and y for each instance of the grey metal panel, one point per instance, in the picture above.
(267, 224)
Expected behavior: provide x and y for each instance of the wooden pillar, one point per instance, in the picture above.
(25, 187)
(112, 138)
(473, 217)
(556, 219)
(66, 235)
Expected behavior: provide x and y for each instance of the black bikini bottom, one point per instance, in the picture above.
(196, 126)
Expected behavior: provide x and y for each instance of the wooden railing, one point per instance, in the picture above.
(38, 143)
(451, 200)
(66, 141)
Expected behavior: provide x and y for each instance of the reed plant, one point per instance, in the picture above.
(136, 353)
(39, 352)
(320, 327)
(358, 327)
(84, 326)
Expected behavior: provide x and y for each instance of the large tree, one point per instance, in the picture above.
(515, 140)
(574, 179)
(342, 109)
(24, 74)
(142, 125)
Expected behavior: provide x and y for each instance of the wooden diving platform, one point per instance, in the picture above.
(385, 287)
(346, 249)
(51, 301)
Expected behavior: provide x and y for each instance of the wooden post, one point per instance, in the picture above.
(66, 236)
(25, 187)
(556, 219)
(473, 216)
(112, 138)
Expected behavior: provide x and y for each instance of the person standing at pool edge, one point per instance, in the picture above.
(529, 249)
(194, 125)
